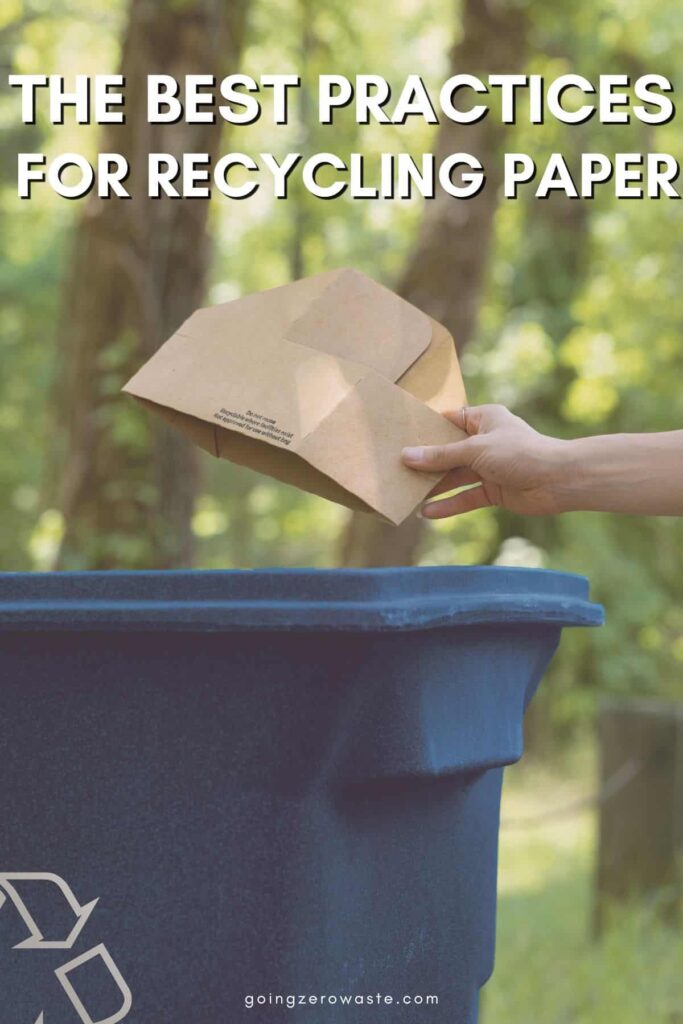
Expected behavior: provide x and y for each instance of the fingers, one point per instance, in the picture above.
(439, 457)
(463, 418)
(466, 501)
(474, 419)
(459, 477)
(478, 419)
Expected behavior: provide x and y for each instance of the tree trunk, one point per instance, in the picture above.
(139, 269)
(446, 273)
(640, 835)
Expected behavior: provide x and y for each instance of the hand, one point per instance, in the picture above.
(511, 463)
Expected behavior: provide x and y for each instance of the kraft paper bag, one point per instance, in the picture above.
(319, 383)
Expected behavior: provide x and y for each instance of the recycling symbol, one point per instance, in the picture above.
(10, 890)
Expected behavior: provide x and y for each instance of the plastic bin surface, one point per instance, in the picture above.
(278, 785)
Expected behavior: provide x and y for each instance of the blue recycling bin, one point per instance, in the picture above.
(260, 795)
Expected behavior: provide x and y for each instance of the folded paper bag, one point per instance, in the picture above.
(319, 383)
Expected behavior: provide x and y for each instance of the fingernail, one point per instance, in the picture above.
(413, 454)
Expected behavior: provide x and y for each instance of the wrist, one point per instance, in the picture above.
(594, 473)
(567, 474)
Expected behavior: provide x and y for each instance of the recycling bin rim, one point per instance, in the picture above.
(304, 600)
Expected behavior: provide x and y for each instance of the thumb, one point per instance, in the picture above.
(440, 457)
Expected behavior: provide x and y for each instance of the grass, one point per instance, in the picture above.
(548, 968)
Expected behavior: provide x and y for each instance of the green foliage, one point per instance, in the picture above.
(34, 256)
(547, 971)
(581, 332)
(581, 328)
(547, 968)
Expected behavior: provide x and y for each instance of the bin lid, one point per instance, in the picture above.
(352, 600)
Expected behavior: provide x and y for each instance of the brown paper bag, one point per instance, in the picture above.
(319, 383)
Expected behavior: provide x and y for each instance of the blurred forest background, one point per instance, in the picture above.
(569, 312)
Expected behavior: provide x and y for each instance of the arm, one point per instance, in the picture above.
(516, 467)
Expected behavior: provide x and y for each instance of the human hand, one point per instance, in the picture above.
(511, 463)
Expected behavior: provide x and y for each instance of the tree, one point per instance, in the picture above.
(446, 272)
(139, 269)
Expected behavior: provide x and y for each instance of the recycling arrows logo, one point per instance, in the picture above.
(37, 940)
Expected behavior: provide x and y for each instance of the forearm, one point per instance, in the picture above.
(641, 474)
